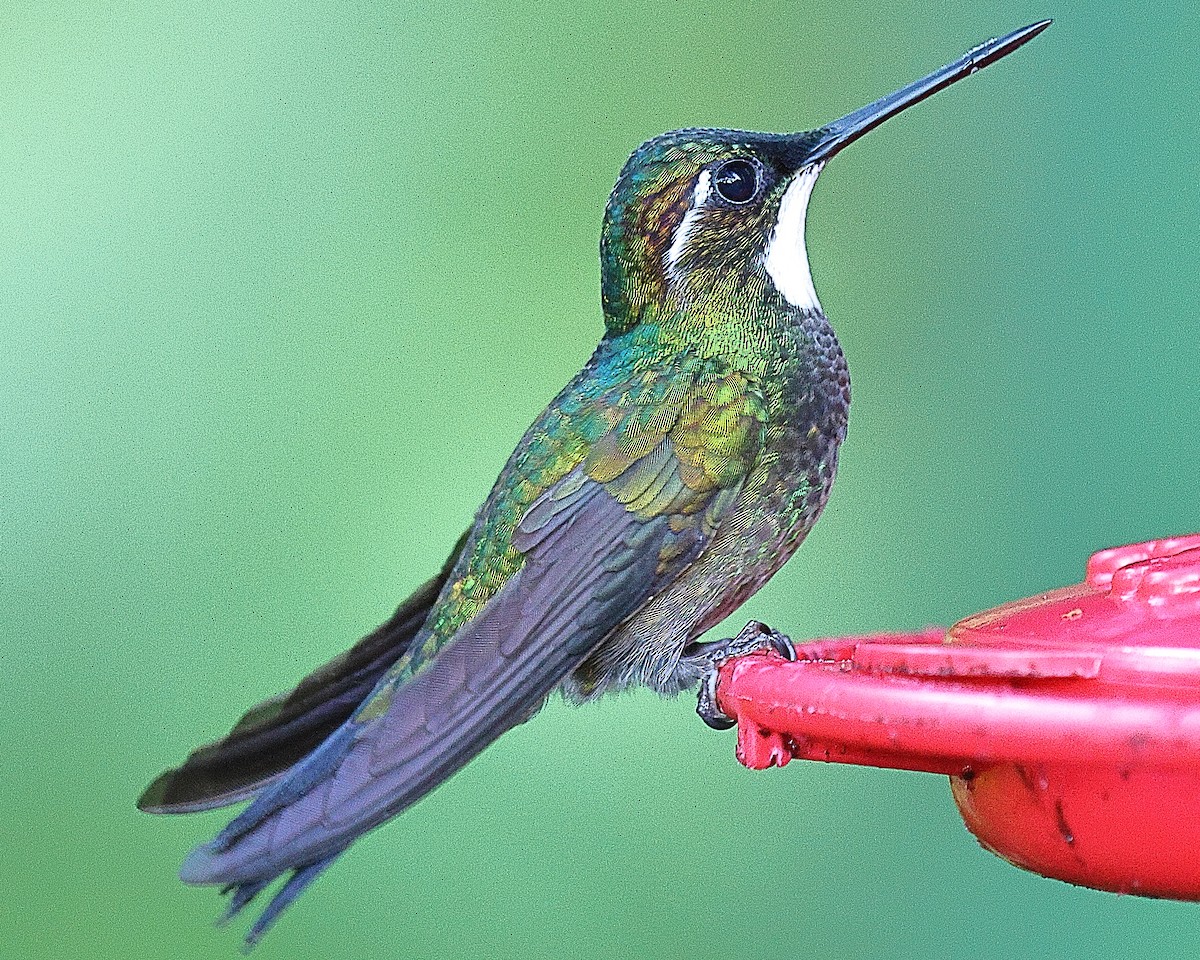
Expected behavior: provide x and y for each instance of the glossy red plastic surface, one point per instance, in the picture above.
(1069, 722)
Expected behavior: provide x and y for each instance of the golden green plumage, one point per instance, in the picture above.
(612, 421)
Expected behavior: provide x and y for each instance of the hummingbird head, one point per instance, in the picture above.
(710, 223)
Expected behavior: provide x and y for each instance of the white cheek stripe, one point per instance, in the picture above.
(787, 259)
(684, 231)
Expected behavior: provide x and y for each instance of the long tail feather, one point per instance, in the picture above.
(295, 885)
(276, 734)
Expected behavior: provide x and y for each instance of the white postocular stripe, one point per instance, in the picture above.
(787, 258)
(684, 230)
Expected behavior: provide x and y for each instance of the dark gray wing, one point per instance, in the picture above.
(590, 563)
(276, 734)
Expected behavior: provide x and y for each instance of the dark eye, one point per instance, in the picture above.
(737, 180)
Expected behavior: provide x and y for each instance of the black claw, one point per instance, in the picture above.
(706, 703)
(753, 637)
(782, 644)
(756, 636)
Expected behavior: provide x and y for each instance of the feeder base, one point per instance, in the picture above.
(1122, 829)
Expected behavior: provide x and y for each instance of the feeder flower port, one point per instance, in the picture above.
(1068, 722)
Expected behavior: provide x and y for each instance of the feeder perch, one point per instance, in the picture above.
(1068, 722)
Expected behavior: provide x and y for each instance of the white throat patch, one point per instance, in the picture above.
(787, 258)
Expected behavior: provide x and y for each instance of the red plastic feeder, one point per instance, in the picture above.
(1069, 723)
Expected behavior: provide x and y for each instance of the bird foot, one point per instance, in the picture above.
(754, 636)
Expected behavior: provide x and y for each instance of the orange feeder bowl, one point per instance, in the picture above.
(1069, 723)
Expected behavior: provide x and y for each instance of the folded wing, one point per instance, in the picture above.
(612, 533)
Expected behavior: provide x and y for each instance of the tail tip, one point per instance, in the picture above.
(199, 867)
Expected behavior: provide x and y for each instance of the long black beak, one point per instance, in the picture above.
(841, 133)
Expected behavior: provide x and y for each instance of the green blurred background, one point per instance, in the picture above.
(282, 284)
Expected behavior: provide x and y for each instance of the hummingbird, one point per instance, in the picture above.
(665, 484)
